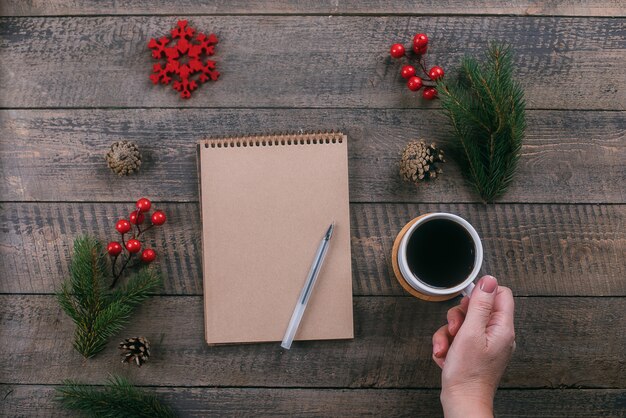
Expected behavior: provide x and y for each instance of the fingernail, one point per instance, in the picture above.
(437, 350)
(451, 324)
(488, 284)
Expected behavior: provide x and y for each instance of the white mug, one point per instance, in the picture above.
(423, 288)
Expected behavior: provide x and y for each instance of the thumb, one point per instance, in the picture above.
(481, 303)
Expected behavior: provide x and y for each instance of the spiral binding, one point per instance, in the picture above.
(314, 138)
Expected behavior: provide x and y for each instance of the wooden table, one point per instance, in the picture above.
(74, 78)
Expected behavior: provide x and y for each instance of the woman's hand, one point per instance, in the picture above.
(474, 348)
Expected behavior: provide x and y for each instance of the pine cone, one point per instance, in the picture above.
(137, 350)
(123, 157)
(420, 162)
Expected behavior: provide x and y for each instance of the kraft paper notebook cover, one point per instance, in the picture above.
(266, 203)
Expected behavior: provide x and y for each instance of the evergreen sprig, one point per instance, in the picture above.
(118, 398)
(100, 313)
(486, 109)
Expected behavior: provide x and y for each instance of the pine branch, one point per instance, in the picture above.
(486, 110)
(98, 312)
(118, 398)
(137, 289)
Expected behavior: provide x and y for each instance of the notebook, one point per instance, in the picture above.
(266, 202)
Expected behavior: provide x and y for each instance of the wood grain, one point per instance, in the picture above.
(38, 401)
(49, 155)
(561, 342)
(574, 250)
(303, 61)
(308, 65)
(611, 8)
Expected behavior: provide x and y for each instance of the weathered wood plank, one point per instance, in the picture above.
(610, 8)
(311, 61)
(568, 156)
(38, 401)
(561, 342)
(535, 249)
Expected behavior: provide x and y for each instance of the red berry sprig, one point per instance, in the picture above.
(128, 248)
(122, 226)
(429, 93)
(158, 217)
(415, 83)
(148, 255)
(408, 71)
(420, 43)
(136, 218)
(114, 248)
(428, 78)
(436, 73)
(397, 50)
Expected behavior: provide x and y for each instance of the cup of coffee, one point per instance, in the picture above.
(437, 256)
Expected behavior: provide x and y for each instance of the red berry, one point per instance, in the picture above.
(414, 84)
(136, 217)
(420, 50)
(408, 71)
(158, 217)
(133, 245)
(114, 248)
(435, 73)
(143, 204)
(420, 41)
(148, 255)
(429, 93)
(397, 50)
(122, 226)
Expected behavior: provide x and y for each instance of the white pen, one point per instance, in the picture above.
(305, 294)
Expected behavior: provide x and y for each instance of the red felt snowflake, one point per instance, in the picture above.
(189, 71)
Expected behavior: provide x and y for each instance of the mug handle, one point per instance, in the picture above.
(468, 290)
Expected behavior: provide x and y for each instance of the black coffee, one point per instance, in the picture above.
(440, 253)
